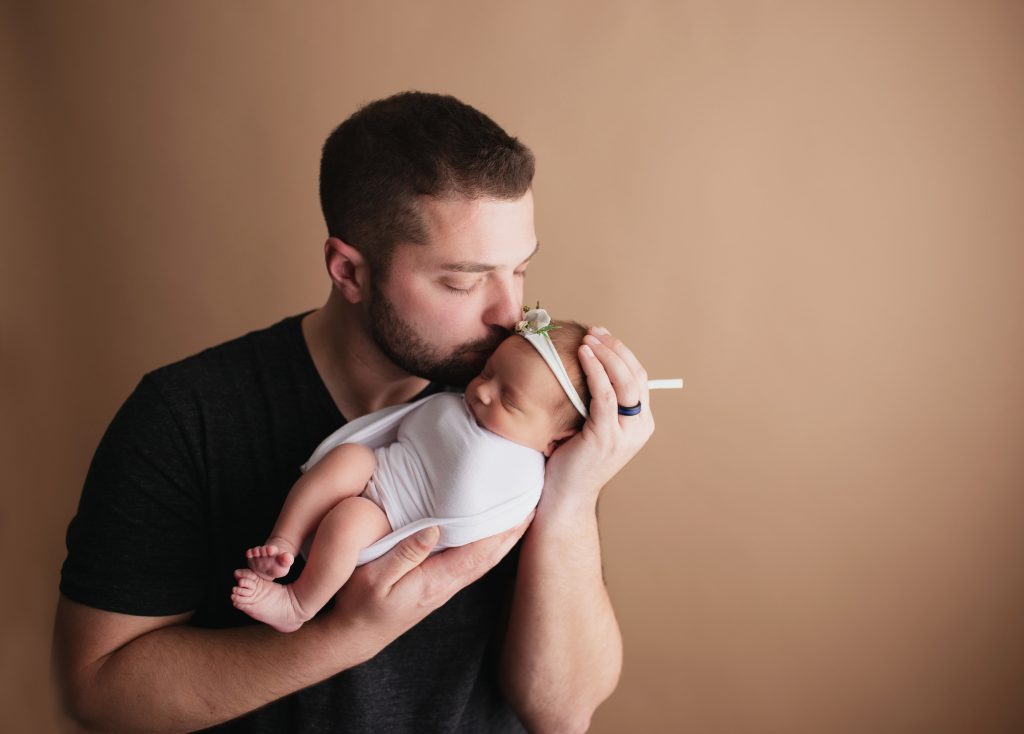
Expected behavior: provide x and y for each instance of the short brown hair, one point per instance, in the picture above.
(378, 161)
(567, 339)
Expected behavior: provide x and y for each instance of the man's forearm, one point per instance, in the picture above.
(181, 678)
(154, 674)
(563, 650)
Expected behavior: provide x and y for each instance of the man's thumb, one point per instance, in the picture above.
(411, 552)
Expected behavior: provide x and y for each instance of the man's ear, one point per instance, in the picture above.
(558, 440)
(348, 269)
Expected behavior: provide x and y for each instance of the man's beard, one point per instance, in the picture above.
(397, 340)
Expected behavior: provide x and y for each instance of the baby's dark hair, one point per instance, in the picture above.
(567, 339)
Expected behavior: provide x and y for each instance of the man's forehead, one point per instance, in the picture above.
(476, 235)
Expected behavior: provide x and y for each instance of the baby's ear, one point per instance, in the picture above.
(558, 440)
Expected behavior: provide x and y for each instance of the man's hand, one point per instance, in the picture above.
(608, 440)
(388, 596)
(562, 654)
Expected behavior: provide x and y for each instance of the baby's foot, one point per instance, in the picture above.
(269, 561)
(266, 601)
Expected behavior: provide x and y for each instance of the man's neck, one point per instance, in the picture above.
(358, 376)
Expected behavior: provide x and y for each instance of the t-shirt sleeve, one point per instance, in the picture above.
(137, 544)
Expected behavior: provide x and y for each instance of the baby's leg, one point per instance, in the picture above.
(342, 473)
(352, 525)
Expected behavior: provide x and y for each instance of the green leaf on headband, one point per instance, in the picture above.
(546, 329)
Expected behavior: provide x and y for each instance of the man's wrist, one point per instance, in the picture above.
(347, 640)
(566, 516)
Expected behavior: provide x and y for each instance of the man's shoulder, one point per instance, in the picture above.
(258, 353)
(278, 340)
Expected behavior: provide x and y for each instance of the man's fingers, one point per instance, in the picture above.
(458, 567)
(469, 562)
(407, 555)
(602, 394)
(637, 371)
(447, 572)
(621, 349)
(626, 390)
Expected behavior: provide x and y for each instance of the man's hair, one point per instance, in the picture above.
(378, 161)
(567, 339)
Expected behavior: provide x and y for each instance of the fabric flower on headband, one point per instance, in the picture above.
(534, 328)
(535, 321)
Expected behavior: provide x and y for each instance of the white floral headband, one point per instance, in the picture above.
(534, 328)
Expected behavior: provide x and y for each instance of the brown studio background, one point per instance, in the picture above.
(811, 211)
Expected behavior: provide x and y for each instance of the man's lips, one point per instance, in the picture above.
(486, 347)
(482, 350)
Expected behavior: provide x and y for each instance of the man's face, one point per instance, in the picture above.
(445, 306)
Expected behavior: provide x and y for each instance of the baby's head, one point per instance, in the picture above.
(518, 397)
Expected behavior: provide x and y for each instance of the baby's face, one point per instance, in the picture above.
(518, 397)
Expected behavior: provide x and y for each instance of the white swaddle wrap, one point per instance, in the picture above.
(437, 466)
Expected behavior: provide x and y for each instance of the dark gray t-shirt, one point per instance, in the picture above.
(194, 469)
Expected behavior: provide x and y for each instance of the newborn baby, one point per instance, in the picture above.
(473, 465)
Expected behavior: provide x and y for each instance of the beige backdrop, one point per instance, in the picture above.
(811, 211)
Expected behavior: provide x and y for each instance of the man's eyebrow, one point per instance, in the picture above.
(472, 267)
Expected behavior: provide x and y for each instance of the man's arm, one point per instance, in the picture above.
(120, 672)
(562, 653)
(123, 673)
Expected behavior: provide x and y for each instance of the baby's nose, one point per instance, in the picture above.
(483, 394)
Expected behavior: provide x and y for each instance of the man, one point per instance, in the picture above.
(430, 219)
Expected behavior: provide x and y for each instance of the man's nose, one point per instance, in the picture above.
(506, 306)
